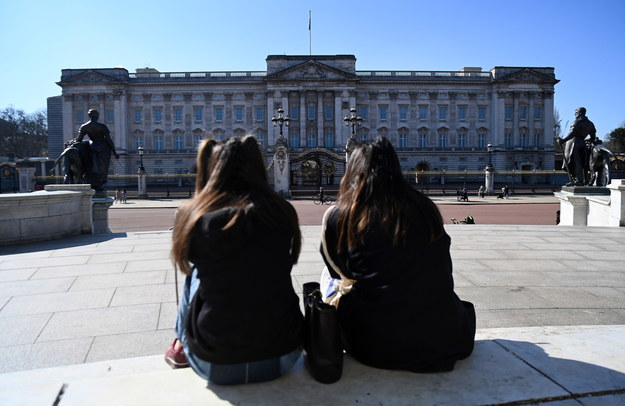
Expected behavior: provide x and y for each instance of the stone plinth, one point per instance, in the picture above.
(101, 214)
(86, 216)
(593, 205)
(142, 185)
(26, 176)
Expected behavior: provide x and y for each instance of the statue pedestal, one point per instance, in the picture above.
(86, 214)
(101, 214)
(142, 186)
(26, 176)
(281, 171)
(593, 205)
(489, 180)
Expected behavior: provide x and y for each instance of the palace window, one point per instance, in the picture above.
(110, 117)
(238, 114)
(423, 140)
(462, 113)
(403, 140)
(508, 139)
(508, 112)
(158, 114)
(481, 140)
(442, 113)
(362, 112)
(294, 113)
(523, 112)
(261, 139)
(197, 113)
(329, 112)
(423, 113)
(538, 112)
(294, 140)
(158, 142)
(260, 113)
(523, 139)
(138, 115)
(219, 114)
(442, 140)
(138, 142)
(179, 142)
(383, 112)
(329, 140)
(403, 113)
(198, 140)
(462, 140)
(312, 112)
(177, 114)
(312, 140)
(481, 113)
(537, 137)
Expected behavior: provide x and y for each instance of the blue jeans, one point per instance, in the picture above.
(230, 374)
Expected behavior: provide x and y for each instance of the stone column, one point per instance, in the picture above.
(617, 203)
(489, 181)
(101, 215)
(142, 185)
(281, 169)
(26, 179)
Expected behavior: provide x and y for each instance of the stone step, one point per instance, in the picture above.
(509, 366)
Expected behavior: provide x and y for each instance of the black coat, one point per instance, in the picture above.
(246, 309)
(402, 312)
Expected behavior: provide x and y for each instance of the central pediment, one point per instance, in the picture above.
(311, 70)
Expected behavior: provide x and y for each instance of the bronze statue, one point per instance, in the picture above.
(575, 154)
(101, 146)
(75, 161)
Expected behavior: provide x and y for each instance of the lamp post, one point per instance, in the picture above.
(280, 121)
(489, 171)
(352, 121)
(142, 184)
(281, 165)
(141, 152)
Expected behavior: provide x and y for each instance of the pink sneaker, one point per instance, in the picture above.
(176, 358)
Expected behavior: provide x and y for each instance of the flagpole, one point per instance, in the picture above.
(309, 33)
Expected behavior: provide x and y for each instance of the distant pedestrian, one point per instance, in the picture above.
(480, 191)
(123, 196)
(118, 196)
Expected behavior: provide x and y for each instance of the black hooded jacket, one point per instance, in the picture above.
(246, 309)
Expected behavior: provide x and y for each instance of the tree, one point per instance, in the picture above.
(616, 139)
(23, 135)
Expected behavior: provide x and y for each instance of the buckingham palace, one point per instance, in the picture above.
(437, 120)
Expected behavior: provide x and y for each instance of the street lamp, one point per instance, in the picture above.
(141, 152)
(489, 175)
(281, 120)
(353, 121)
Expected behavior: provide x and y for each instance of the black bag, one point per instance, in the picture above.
(322, 342)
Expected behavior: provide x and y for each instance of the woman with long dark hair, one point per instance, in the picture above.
(388, 239)
(239, 319)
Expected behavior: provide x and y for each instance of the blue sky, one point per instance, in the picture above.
(582, 40)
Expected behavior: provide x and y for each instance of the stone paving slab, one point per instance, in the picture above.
(579, 365)
(122, 285)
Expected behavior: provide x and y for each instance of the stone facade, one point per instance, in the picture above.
(437, 120)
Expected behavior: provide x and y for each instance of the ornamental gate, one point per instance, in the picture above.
(316, 168)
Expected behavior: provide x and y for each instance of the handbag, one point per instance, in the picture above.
(322, 340)
(343, 287)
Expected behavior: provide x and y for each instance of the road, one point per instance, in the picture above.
(133, 218)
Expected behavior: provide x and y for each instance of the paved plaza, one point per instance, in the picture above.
(95, 312)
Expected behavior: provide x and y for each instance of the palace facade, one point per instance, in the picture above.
(437, 120)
